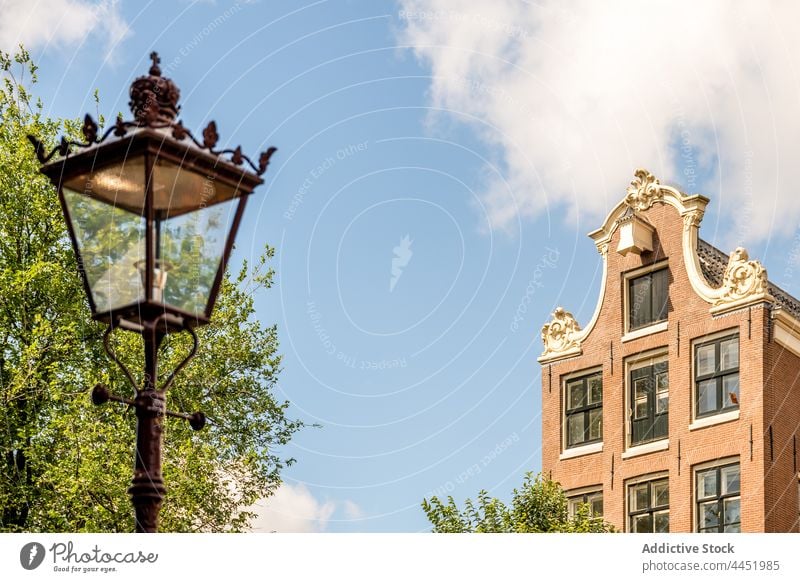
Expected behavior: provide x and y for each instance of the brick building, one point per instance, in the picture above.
(677, 407)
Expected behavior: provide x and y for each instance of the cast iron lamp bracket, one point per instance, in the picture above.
(123, 324)
(101, 395)
(144, 394)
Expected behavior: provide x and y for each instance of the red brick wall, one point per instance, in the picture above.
(688, 318)
(782, 413)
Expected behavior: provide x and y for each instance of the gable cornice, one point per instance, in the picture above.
(744, 282)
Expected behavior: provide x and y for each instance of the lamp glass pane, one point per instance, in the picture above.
(120, 184)
(191, 248)
(111, 241)
(178, 189)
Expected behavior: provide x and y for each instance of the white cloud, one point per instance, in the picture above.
(62, 23)
(294, 509)
(577, 95)
(352, 510)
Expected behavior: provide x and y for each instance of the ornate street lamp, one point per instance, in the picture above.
(152, 214)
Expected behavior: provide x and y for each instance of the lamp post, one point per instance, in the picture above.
(152, 214)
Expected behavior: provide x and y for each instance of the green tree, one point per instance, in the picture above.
(66, 464)
(538, 506)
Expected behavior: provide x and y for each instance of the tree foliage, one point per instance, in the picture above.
(66, 464)
(540, 505)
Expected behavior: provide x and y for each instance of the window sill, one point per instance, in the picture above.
(715, 419)
(581, 451)
(653, 447)
(650, 329)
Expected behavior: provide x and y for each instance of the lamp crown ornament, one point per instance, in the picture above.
(154, 99)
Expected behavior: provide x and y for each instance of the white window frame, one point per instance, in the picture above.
(710, 465)
(720, 417)
(585, 492)
(591, 448)
(648, 358)
(626, 279)
(657, 476)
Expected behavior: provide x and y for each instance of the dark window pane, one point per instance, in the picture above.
(707, 484)
(662, 393)
(639, 298)
(660, 493)
(707, 396)
(660, 287)
(642, 523)
(709, 514)
(730, 479)
(662, 522)
(730, 391)
(648, 299)
(729, 354)
(706, 360)
(596, 424)
(575, 429)
(595, 390)
(640, 497)
(577, 395)
(731, 512)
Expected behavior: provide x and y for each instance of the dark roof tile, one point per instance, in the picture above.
(713, 263)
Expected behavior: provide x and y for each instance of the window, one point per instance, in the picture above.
(649, 403)
(716, 376)
(584, 410)
(647, 299)
(594, 501)
(718, 499)
(648, 506)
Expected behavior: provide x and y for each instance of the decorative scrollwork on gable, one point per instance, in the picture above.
(692, 218)
(644, 191)
(743, 278)
(560, 335)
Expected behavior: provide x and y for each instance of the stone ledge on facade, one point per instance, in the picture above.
(645, 331)
(714, 420)
(574, 452)
(646, 449)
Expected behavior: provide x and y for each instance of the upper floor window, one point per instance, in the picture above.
(584, 410)
(718, 496)
(594, 499)
(716, 376)
(648, 299)
(649, 403)
(648, 506)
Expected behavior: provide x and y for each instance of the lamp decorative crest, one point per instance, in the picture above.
(154, 104)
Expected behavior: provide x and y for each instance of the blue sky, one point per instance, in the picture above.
(413, 137)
